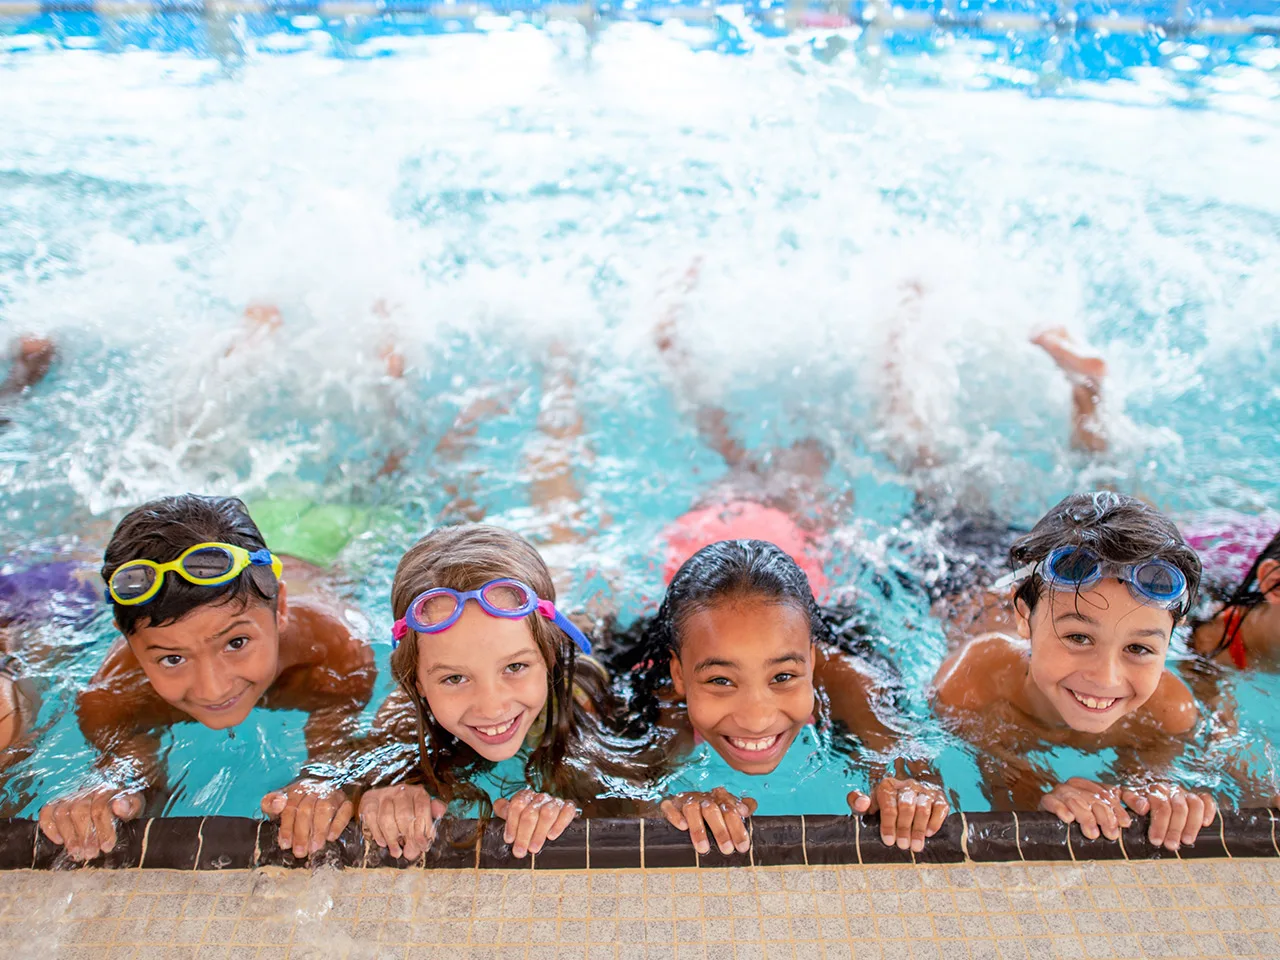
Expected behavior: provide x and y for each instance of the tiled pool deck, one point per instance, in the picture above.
(1169, 908)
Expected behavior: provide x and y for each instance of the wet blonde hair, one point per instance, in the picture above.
(465, 557)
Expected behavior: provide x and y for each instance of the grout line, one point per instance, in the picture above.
(964, 837)
(35, 842)
(1017, 836)
(804, 841)
(1222, 835)
(199, 844)
(257, 847)
(695, 852)
(587, 822)
(1123, 848)
(751, 840)
(146, 836)
(857, 837)
(1070, 849)
(1273, 831)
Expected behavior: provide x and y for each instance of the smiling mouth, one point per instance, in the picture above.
(223, 706)
(499, 733)
(755, 748)
(1094, 704)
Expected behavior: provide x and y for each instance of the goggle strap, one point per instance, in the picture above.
(1009, 579)
(548, 610)
(261, 558)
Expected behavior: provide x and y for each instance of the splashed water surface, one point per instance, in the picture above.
(507, 195)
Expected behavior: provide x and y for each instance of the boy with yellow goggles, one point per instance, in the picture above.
(205, 565)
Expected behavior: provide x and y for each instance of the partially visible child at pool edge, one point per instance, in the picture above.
(494, 672)
(208, 634)
(740, 657)
(1099, 584)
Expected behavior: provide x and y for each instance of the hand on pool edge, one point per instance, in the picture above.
(85, 822)
(1177, 814)
(910, 810)
(1096, 807)
(720, 811)
(401, 818)
(532, 819)
(312, 813)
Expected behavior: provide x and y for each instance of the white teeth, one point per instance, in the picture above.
(1095, 703)
(499, 730)
(754, 746)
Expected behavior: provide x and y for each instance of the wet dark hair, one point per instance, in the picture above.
(1117, 528)
(160, 531)
(575, 751)
(720, 572)
(1248, 594)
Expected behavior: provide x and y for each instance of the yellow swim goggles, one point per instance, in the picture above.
(205, 564)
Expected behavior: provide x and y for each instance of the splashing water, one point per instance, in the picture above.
(507, 194)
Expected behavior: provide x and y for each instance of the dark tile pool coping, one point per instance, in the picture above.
(231, 843)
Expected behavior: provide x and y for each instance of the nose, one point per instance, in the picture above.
(1105, 670)
(212, 684)
(491, 701)
(757, 712)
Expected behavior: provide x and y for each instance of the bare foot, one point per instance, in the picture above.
(1077, 360)
(32, 358)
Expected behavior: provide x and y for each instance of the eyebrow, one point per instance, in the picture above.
(731, 664)
(244, 621)
(1149, 632)
(1072, 615)
(450, 668)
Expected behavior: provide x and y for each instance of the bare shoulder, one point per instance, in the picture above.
(1173, 707)
(119, 697)
(322, 643)
(974, 676)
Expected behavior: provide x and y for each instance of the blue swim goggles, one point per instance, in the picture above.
(1155, 582)
(439, 608)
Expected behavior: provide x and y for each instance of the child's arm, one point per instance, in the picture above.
(1086, 370)
(334, 685)
(911, 807)
(118, 715)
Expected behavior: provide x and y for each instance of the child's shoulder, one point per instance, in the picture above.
(980, 672)
(1172, 707)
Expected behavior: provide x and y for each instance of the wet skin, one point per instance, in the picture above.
(1086, 671)
(484, 680)
(214, 666)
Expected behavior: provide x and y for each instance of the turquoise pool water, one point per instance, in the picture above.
(517, 188)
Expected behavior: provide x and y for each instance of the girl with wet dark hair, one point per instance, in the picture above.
(1245, 632)
(1098, 586)
(740, 657)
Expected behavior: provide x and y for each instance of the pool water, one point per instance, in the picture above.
(516, 192)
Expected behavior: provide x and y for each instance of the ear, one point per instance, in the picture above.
(677, 675)
(282, 607)
(1269, 580)
(1022, 615)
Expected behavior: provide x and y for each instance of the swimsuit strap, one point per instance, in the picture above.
(1232, 639)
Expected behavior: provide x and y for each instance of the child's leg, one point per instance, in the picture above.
(1086, 370)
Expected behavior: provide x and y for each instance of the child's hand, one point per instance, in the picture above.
(533, 819)
(1177, 815)
(312, 813)
(719, 811)
(401, 819)
(910, 810)
(85, 822)
(1092, 805)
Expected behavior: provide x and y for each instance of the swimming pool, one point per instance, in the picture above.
(511, 186)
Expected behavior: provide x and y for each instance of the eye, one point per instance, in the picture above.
(784, 677)
(453, 680)
(517, 667)
(172, 660)
(237, 643)
(1140, 650)
(1078, 639)
(719, 682)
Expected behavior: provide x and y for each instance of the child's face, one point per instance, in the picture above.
(746, 672)
(216, 662)
(1097, 655)
(484, 680)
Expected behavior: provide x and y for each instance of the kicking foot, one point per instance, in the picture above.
(1079, 361)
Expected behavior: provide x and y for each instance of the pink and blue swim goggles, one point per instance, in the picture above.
(438, 609)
